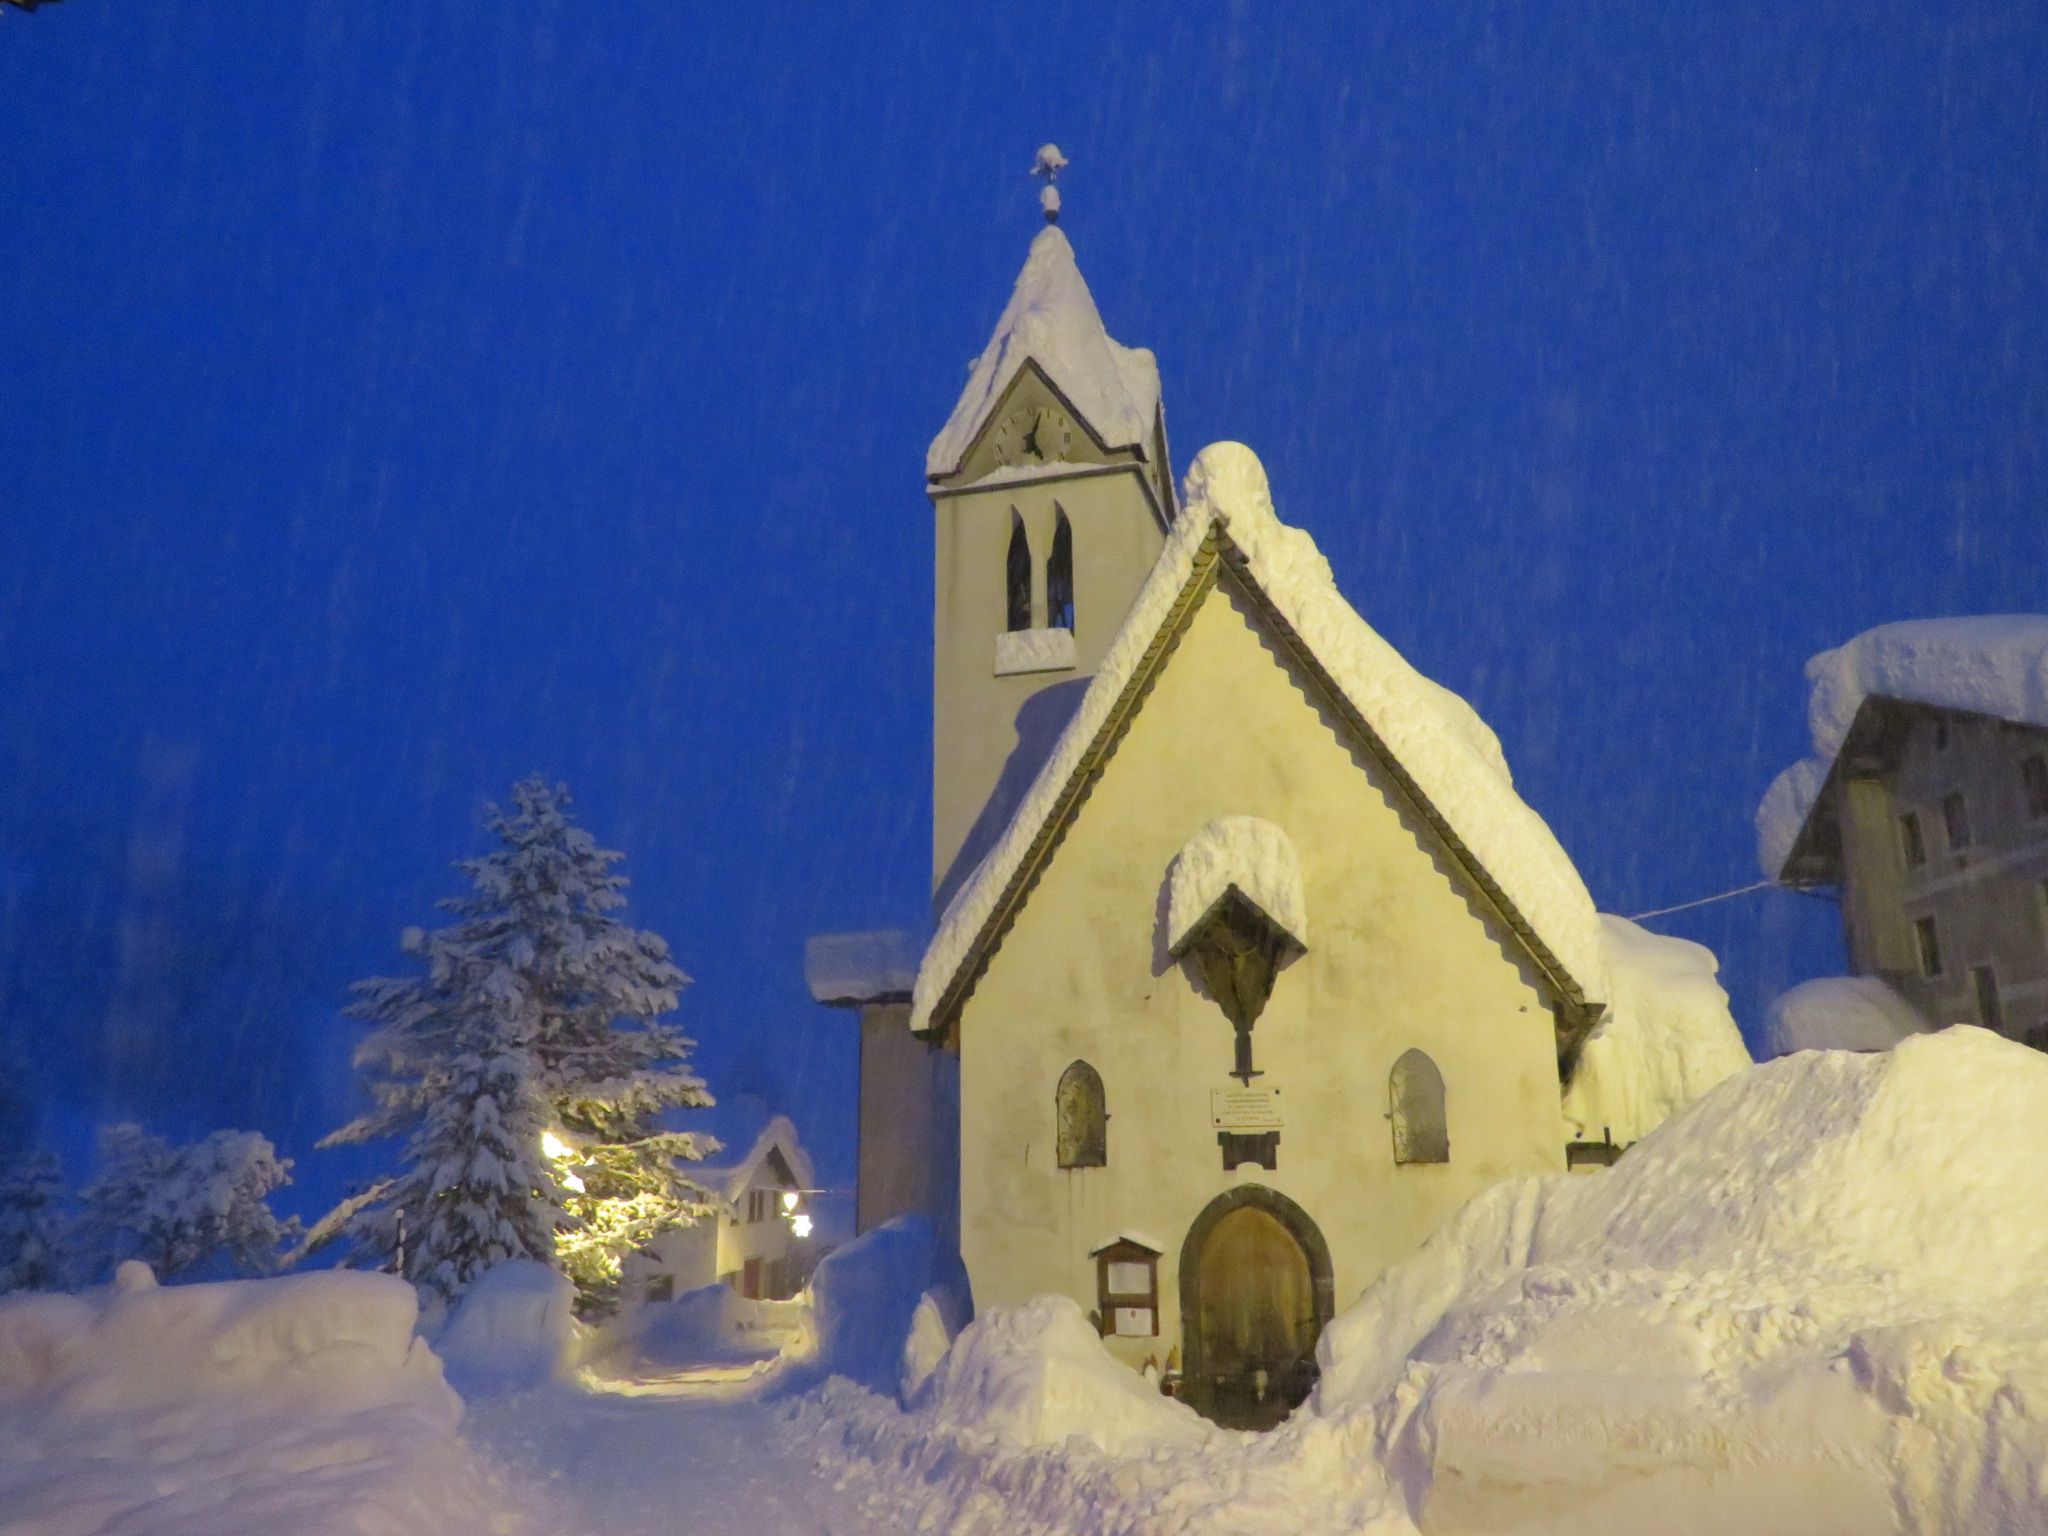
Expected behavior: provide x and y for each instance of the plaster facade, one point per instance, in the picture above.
(991, 729)
(1398, 959)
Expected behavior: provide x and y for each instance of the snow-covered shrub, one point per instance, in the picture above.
(33, 1224)
(195, 1212)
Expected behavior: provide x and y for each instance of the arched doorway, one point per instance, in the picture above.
(1255, 1292)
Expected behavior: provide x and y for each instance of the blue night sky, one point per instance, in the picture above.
(404, 398)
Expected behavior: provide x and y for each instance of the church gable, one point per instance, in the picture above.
(1430, 746)
(1229, 730)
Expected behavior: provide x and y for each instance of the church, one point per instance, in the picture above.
(1250, 966)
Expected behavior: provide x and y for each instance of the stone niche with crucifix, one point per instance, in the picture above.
(1236, 919)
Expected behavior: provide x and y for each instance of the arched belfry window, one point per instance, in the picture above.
(1059, 575)
(1081, 1119)
(1416, 1090)
(1019, 574)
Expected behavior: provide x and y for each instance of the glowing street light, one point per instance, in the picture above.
(789, 1198)
(800, 1225)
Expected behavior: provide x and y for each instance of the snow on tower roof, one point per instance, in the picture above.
(1430, 738)
(1992, 664)
(1052, 320)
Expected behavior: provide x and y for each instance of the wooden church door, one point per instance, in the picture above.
(1255, 1293)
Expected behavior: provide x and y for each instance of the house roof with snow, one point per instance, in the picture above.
(1051, 323)
(776, 1150)
(1445, 762)
(1866, 692)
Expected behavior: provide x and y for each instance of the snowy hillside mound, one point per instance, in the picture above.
(1994, 664)
(1814, 1302)
(290, 1407)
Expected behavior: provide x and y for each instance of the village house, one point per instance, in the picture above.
(759, 1243)
(1926, 810)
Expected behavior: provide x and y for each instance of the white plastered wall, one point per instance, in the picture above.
(1399, 960)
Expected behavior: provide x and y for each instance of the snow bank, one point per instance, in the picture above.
(1038, 1374)
(1992, 664)
(1253, 855)
(1815, 1301)
(514, 1330)
(1668, 1036)
(1816, 1297)
(1839, 1013)
(288, 1407)
(1437, 738)
(865, 1299)
(1051, 318)
(1030, 1427)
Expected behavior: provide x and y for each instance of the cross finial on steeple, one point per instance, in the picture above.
(1050, 163)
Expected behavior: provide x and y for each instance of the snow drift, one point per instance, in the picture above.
(1668, 1036)
(289, 1407)
(1839, 1013)
(1815, 1301)
(1994, 664)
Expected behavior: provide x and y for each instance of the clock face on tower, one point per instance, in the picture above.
(1035, 434)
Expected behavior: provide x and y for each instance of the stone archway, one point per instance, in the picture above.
(1255, 1292)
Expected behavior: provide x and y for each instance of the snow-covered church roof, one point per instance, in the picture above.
(1994, 664)
(1051, 319)
(1430, 738)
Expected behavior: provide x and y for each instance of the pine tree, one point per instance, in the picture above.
(191, 1213)
(538, 1021)
(33, 1221)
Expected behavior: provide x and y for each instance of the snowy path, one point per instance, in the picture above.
(656, 1465)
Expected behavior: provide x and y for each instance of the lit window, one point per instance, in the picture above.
(1955, 819)
(1416, 1089)
(1930, 945)
(1910, 839)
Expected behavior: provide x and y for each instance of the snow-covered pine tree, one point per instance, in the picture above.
(191, 1213)
(33, 1222)
(539, 1016)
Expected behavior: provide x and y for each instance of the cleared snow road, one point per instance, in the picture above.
(656, 1465)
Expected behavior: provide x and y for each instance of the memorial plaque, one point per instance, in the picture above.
(1245, 1109)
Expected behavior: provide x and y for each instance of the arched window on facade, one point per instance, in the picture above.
(1416, 1090)
(1081, 1119)
(1059, 575)
(1019, 574)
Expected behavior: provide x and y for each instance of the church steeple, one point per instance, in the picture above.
(1052, 493)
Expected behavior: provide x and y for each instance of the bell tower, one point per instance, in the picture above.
(1052, 493)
